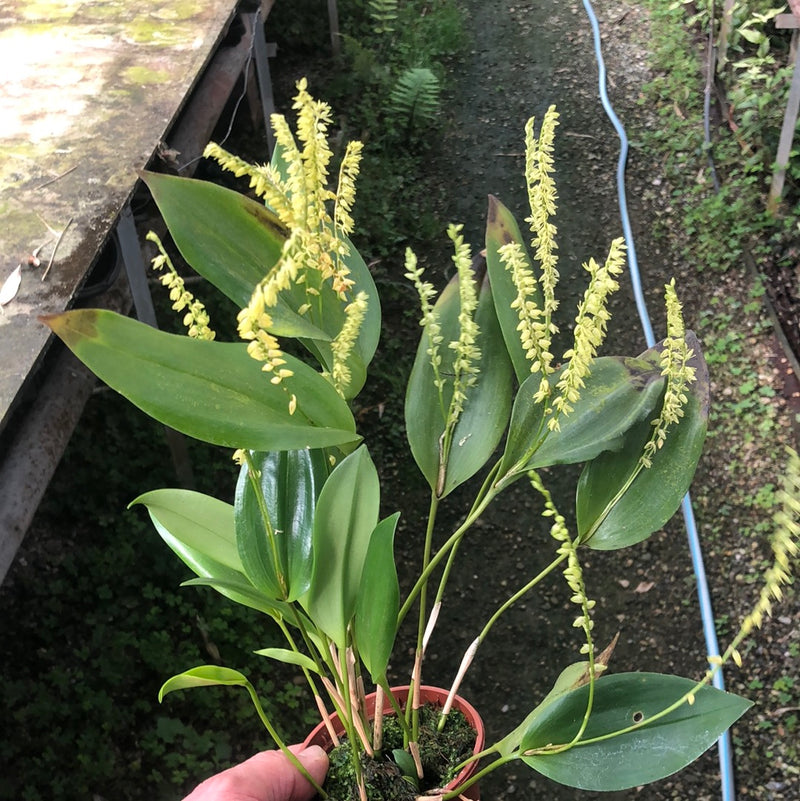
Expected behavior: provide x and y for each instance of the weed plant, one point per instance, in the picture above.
(746, 424)
(720, 223)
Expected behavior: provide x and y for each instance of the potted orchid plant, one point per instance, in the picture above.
(304, 542)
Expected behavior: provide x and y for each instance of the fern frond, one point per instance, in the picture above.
(415, 97)
(383, 14)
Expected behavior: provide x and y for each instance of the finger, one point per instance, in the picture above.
(315, 761)
(267, 776)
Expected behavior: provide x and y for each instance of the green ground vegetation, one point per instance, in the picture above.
(727, 234)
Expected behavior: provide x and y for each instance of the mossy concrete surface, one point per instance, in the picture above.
(87, 91)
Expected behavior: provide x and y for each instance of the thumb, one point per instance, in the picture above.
(267, 776)
(315, 761)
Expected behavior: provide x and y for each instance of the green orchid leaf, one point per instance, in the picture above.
(485, 415)
(407, 766)
(289, 657)
(200, 530)
(203, 676)
(346, 515)
(502, 229)
(604, 761)
(378, 601)
(615, 512)
(617, 394)
(288, 483)
(212, 391)
(229, 239)
(200, 522)
(239, 589)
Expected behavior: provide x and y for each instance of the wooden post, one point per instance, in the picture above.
(724, 33)
(789, 121)
(333, 20)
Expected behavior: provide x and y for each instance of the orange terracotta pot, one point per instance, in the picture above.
(434, 695)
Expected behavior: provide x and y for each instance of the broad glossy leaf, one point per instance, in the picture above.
(212, 391)
(289, 483)
(606, 521)
(502, 229)
(637, 757)
(378, 600)
(185, 521)
(488, 403)
(202, 523)
(289, 658)
(203, 676)
(617, 394)
(231, 240)
(228, 238)
(346, 515)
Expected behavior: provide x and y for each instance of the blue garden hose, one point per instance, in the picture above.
(706, 612)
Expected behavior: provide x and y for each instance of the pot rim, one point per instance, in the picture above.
(319, 734)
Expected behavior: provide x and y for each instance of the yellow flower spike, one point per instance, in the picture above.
(196, 318)
(542, 196)
(316, 247)
(590, 328)
(346, 192)
(784, 544)
(313, 119)
(573, 572)
(428, 321)
(343, 343)
(264, 180)
(465, 367)
(535, 335)
(675, 367)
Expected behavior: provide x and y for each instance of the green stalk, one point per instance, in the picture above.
(422, 581)
(423, 597)
(316, 655)
(518, 594)
(279, 742)
(484, 497)
(478, 775)
(469, 655)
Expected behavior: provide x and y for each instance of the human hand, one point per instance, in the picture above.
(267, 776)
